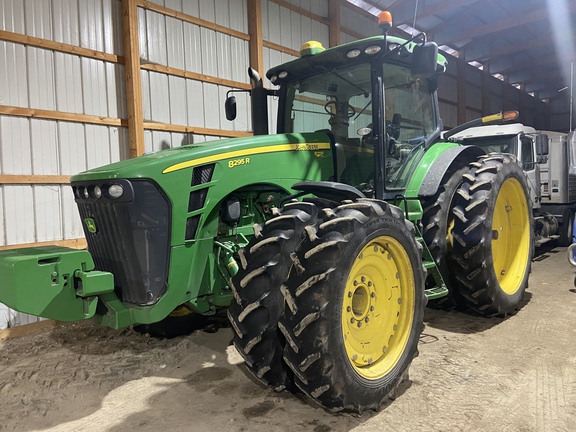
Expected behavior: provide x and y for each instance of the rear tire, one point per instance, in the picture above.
(265, 264)
(354, 307)
(565, 238)
(437, 223)
(493, 235)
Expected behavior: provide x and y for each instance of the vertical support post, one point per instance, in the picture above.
(486, 96)
(256, 39)
(133, 80)
(461, 89)
(334, 28)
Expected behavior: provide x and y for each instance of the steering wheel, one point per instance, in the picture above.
(333, 105)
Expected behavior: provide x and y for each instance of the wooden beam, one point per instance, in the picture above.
(132, 76)
(192, 19)
(486, 93)
(60, 47)
(302, 11)
(195, 130)
(194, 75)
(27, 329)
(78, 243)
(334, 29)
(256, 36)
(281, 48)
(59, 115)
(33, 179)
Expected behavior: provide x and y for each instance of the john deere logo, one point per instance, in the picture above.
(90, 225)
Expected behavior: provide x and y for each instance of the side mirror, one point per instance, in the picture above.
(230, 107)
(542, 145)
(424, 59)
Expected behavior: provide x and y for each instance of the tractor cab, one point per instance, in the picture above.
(377, 107)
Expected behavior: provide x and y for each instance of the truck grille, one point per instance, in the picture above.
(129, 237)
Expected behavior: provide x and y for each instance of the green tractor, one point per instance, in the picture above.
(325, 240)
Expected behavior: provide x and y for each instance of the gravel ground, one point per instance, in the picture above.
(473, 373)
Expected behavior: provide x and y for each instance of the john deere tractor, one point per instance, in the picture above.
(325, 240)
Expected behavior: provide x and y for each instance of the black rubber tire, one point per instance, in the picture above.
(316, 349)
(436, 221)
(265, 263)
(475, 250)
(565, 238)
(181, 322)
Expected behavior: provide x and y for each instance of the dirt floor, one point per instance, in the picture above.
(473, 374)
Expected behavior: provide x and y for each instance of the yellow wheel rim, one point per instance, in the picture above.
(511, 236)
(378, 307)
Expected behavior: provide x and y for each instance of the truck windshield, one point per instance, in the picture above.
(495, 144)
(341, 101)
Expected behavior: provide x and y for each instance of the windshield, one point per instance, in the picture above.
(495, 144)
(340, 101)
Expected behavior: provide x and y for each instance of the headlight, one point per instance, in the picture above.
(97, 192)
(85, 193)
(115, 191)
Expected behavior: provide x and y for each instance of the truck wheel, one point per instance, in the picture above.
(437, 223)
(354, 307)
(265, 264)
(180, 322)
(565, 238)
(493, 235)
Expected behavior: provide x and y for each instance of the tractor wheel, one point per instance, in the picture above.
(565, 238)
(354, 306)
(265, 263)
(437, 223)
(493, 235)
(180, 322)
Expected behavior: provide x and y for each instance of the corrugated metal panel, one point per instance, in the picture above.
(12, 16)
(473, 97)
(447, 88)
(19, 214)
(449, 115)
(15, 152)
(471, 114)
(13, 89)
(358, 23)
(42, 92)
(474, 75)
(66, 21)
(2, 225)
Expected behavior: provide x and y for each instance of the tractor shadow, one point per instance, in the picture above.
(465, 321)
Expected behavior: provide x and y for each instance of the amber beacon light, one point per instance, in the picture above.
(385, 21)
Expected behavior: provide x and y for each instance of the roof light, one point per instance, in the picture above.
(385, 21)
(374, 49)
(353, 53)
(282, 74)
(273, 79)
(311, 48)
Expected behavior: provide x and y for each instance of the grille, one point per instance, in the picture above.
(131, 241)
(202, 174)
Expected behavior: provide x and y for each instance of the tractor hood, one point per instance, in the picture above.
(154, 165)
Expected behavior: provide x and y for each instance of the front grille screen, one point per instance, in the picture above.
(131, 241)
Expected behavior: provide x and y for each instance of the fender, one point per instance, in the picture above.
(437, 160)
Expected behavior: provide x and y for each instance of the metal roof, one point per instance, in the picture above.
(530, 43)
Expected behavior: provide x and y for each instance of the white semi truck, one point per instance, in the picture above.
(549, 161)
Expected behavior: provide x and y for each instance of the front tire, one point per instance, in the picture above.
(254, 315)
(354, 309)
(493, 235)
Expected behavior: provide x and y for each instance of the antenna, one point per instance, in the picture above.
(414, 22)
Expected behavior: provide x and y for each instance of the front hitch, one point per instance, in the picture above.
(52, 282)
